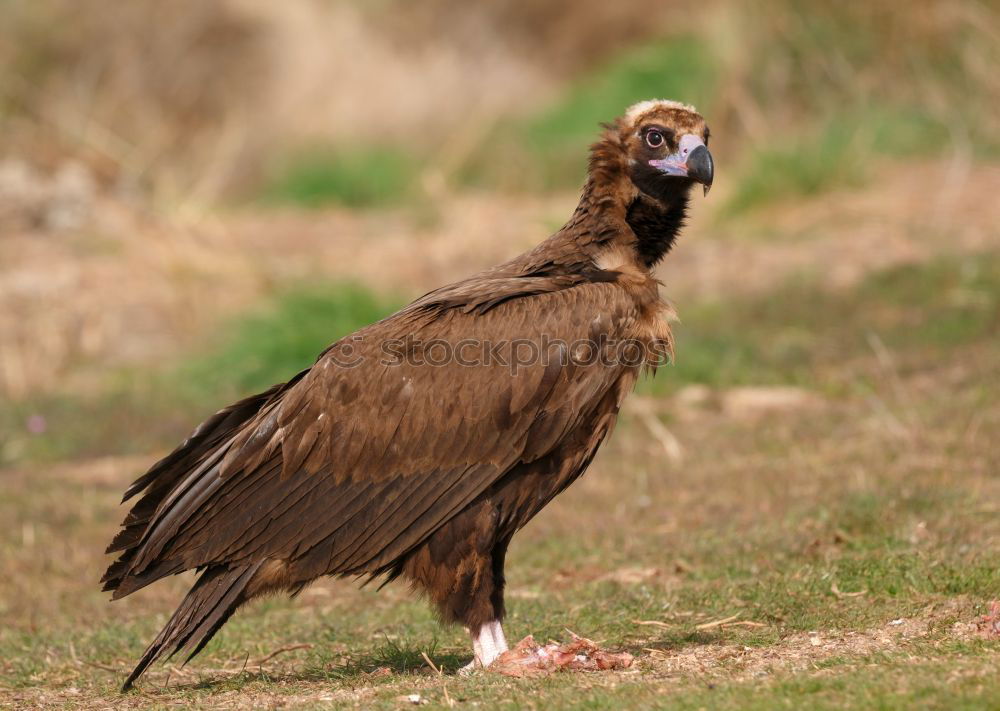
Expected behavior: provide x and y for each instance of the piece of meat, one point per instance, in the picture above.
(989, 625)
(530, 659)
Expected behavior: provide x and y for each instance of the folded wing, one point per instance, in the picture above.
(391, 433)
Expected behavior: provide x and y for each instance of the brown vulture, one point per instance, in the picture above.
(418, 446)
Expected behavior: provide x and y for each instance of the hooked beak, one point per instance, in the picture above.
(692, 160)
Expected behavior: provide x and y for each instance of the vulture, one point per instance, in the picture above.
(418, 446)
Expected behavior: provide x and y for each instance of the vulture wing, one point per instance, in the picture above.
(344, 469)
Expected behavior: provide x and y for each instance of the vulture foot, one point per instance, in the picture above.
(488, 644)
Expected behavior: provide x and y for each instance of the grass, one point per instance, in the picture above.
(840, 134)
(841, 152)
(786, 335)
(833, 93)
(798, 333)
(805, 166)
(138, 411)
(358, 177)
(862, 553)
(801, 101)
(542, 151)
(822, 97)
(762, 548)
(761, 72)
(259, 349)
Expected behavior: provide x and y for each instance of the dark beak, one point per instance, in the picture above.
(692, 160)
(700, 167)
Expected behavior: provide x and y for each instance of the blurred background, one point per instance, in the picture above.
(166, 166)
(196, 197)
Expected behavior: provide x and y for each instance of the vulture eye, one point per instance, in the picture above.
(654, 138)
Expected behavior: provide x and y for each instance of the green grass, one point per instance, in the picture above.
(843, 94)
(763, 517)
(139, 411)
(878, 683)
(831, 96)
(841, 152)
(275, 342)
(547, 150)
(830, 99)
(802, 166)
(777, 569)
(790, 334)
(360, 177)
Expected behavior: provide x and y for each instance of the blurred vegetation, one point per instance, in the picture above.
(800, 332)
(801, 96)
(143, 92)
(257, 350)
(141, 410)
(546, 150)
(361, 177)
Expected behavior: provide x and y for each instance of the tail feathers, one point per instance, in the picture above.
(207, 606)
(205, 445)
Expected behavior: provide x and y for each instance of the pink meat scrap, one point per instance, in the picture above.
(528, 658)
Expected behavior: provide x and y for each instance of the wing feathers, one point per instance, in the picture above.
(345, 469)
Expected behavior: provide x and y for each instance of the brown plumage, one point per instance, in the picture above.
(384, 460)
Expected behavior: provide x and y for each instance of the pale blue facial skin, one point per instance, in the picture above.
(676, 163)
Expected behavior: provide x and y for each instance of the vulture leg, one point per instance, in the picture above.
(499, 640)
(460, 567)
(487, 644)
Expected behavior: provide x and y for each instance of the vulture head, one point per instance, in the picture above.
(666, 144)
(644, 166)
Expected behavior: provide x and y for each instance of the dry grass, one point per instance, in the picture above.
(779, 518)
(204, 101)
(200, 100)
(835, 550)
